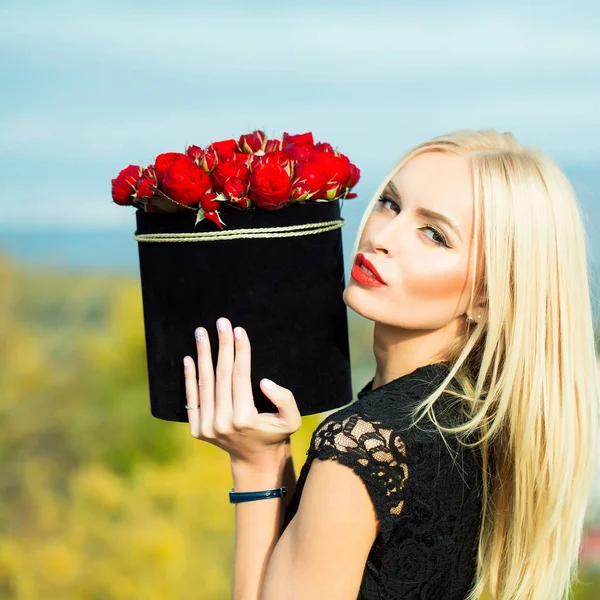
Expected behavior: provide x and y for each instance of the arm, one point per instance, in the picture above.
(258, 523)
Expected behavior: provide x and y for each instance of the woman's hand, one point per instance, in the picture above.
(227, 416)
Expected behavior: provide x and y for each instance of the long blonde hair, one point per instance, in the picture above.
(528, 371)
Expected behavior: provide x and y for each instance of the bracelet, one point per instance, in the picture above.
(235, 497)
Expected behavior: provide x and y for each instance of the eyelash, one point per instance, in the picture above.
(383, 200)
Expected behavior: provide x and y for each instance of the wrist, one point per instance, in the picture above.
(266, 469)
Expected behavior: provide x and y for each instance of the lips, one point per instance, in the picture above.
(363, 262)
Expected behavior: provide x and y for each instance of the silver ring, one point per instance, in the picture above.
(196, 406)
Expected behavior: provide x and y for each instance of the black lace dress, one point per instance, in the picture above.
(427, 499)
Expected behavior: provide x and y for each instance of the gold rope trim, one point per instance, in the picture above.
(234, 234)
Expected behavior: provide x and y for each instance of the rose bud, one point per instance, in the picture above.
(209, 160)
(273, 145)
(195, 153)
(354, 176)
(214, 217)
(333, 189)
(252, 142)
(270, 186)
(325, 147)
(235, 191)
(208, 202)
(150, 173)
(123, 185)
(225, 148)
(145, 188)
(163, 162)
(227, 170)
(309, 183)
(304, 139)
(185, 182)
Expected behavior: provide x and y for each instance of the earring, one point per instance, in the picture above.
(471, 319)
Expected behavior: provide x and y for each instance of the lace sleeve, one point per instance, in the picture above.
(374, 452)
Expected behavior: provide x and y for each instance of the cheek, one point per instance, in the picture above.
(427, 276)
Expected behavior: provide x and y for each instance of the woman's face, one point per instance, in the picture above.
(423, 260)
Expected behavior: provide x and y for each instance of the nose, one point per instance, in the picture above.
(385, 235)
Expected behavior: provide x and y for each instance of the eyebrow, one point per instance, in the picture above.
(425, 212)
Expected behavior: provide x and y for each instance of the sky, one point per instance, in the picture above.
(90, 87)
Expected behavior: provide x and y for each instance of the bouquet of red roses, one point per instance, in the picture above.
(252, 171)
(277, 269)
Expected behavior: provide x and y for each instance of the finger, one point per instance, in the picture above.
(224, 373)
(191, 394)
(243, 401)
(205, 383)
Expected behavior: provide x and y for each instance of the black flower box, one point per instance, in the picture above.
(284, 288)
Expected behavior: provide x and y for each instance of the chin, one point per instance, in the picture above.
(353, 301)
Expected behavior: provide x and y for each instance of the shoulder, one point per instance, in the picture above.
(369, 453)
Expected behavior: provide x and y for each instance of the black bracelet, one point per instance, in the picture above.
(235, 497)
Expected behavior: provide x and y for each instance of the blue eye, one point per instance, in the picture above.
(441, 239)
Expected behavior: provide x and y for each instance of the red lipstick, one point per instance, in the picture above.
(372, 279)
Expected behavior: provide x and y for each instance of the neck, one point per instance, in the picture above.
(399, 351)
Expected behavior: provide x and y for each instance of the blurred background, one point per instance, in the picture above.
(99, 500)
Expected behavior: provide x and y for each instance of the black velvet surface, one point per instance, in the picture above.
(286, 293)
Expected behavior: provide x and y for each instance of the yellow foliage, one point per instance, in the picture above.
(101, 500)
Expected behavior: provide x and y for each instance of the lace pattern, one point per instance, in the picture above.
(371, 450)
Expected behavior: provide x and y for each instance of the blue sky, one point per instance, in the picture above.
(89, 87)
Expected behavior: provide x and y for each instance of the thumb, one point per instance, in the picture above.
(283, 399)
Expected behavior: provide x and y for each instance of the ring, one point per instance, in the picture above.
(196, 406)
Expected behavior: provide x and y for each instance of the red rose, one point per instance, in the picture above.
(227, 170)
(225, 148)
(123, 185)
(309, 183)
(337, 168)
(163, 162)
(195, 153)
(209, 159)
(270, 186)
(185, 182)
(325, 147)
(252, 142)
(299, 152)
(304, 139)
(235, 190)
(273, 145)
(278, 157)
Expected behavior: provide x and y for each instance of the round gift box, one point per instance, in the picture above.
(278, 274)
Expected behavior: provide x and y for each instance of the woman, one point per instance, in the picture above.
(467, 461)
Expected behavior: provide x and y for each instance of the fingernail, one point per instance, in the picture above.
(199, 334)
(268, 384)
(186, 362)
(222, 324)
(238, 333)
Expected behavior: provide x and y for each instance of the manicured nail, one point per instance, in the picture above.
(222, 324)
(199, 334)
(186, 361)
(268, 384)
(238, 333)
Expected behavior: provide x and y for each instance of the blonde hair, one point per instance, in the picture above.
(528, 370)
